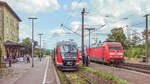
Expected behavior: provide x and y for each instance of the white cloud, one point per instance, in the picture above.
(116, 9)
(24, 31)
(65, 7)
(96, 19)
(76, 4)
(34, 6)
(75, 25)
(57, 31)
(74, 7)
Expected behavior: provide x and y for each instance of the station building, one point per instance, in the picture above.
(9, 31)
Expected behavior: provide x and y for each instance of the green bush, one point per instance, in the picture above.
(136, 52)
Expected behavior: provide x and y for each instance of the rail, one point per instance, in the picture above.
(80, 75)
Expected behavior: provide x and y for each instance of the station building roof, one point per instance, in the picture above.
(2, 3)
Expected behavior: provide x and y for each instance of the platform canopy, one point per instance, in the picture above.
(10, 43)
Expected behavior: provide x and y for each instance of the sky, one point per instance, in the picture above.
(103, 15)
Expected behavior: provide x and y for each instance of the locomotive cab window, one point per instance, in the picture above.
(115, 48)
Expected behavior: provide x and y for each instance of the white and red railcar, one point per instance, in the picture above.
(66, 55)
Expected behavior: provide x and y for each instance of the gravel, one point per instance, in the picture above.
(130, 76)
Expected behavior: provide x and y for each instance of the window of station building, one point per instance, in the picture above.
(7, 19)
(7, 33)
(15, 23)
(11, 22)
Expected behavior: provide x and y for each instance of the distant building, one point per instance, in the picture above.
(9, 30)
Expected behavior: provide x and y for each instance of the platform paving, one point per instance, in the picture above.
(43, 73)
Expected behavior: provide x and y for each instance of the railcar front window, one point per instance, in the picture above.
(115, 48)
(67, 48)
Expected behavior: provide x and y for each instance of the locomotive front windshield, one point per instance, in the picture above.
(67, 48)
(115, 48)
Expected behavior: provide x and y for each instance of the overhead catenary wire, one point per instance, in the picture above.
(71, 30)
(127, 17)
(73, 10)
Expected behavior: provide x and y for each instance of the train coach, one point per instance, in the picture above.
(108, 52)
(66, 56)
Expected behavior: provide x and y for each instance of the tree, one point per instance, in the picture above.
(117, 35)
(136, 39)
(144, 33)
(48, 52)
(27, 42)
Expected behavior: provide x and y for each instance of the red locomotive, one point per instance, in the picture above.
(66, 55)
(108, 52)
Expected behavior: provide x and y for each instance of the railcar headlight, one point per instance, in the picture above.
(111, 53)
(120, 53)
(63, 57)
(74, 57)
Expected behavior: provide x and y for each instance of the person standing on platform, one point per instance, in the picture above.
(25, 58)
(10, 61)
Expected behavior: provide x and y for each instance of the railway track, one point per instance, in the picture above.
(144, 68)
(135, 69)
(76, 78)
(67, 78)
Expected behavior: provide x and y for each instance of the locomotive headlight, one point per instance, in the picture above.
(120, 53)
(111, 53)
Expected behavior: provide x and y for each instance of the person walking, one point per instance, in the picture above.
(10, 61)
(28, 59)
(25, 58)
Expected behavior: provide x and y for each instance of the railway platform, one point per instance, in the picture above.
(42, 73)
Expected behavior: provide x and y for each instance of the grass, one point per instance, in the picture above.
(78, 80)
(87, 77)
(72, 75)
(106, 75)
(75, 78)
(61, 76)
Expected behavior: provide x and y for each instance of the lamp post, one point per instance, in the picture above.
(89, 29)
(32, 19)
